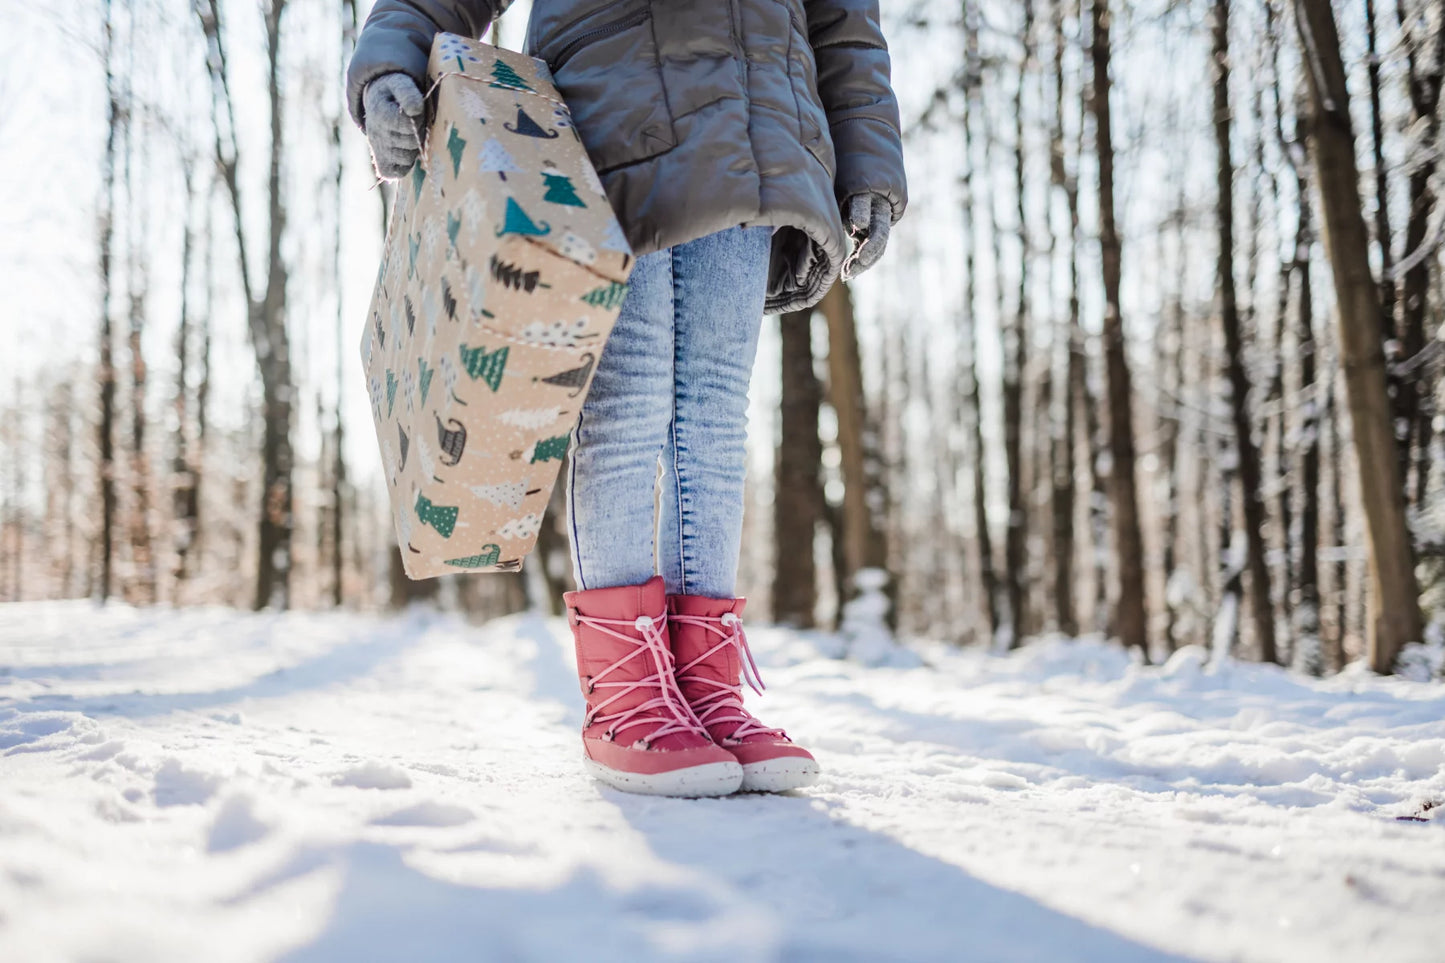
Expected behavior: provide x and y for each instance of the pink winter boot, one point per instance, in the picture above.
(639, 734)
(712, 655)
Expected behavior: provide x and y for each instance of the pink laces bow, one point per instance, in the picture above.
(726, 703)
(669, 708)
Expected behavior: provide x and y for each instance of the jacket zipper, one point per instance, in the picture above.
(591, 36)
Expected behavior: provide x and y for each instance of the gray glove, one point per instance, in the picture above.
(868, 217)
(394, 118)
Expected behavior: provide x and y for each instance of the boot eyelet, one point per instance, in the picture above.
(608, 736)
(587, 679)
(644, 744)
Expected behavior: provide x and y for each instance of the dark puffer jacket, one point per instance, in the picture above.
(701, 114)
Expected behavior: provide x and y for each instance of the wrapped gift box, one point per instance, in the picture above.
(503, 272)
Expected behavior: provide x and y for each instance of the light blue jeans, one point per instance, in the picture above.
(671, 385)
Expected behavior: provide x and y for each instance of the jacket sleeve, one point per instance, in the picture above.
(398, 36)
(853, 83)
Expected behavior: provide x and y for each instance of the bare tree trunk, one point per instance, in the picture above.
(203, 388)
(1309, 654)
(1394, 594)
(798, 494)
(1307, 610)
(106, 373)
(1015, 363)
(1171, 365)
(970, 413)
(1276, 394)
(1382, 179)
(266, 314)
(1413, 409)
(1084, 397)
(1131, 621)
(1245, 450)
(863, 542)
(1062, 437)
(67, 490)
(349, 20)
(184, 507)
(142, 582)
(1334, 656)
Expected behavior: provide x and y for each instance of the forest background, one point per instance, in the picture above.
(1154, 354)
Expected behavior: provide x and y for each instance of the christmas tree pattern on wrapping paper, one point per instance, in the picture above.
(449, 300)
(557, 334)
(505, 77)
(454, 47)
(452, 437)
(488, 366)
(487, 556)
(588, 175)
(527, 127)
(443, 518)
(516, 221)
(577, 248)
(573, 378)
(563, 121)
(608, 297)
(504, 494)
(474, 105)
(559, 189)
(410, 313)
(456, 147)
(413, 246)
(390, 392)
(546, 449)
(495, 159)
(418, 178)
(613, 239)
(524, 527)
(408, 389)
(454, 227)
(513, 276)
(424, 376)
(530, 419)
(374, 391)
(404, 444)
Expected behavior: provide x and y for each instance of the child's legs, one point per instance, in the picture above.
(718, 285)
(612, 470)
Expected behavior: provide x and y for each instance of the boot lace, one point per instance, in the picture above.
(725, 703)
(668, 707)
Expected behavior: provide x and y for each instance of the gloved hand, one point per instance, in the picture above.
(394, 118)
(868, 217)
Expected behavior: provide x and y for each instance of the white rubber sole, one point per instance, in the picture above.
(711, 779)
(779, 775)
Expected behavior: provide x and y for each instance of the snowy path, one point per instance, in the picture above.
(208, 785)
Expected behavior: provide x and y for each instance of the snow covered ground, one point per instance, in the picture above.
(206, 785)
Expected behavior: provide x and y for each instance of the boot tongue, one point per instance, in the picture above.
(689, 641)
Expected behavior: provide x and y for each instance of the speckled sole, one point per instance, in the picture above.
(711, 779)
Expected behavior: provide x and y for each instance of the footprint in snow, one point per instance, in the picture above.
(427, 813)
(175, 785)
(236, 825)
(373, 775)
(44, 731)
